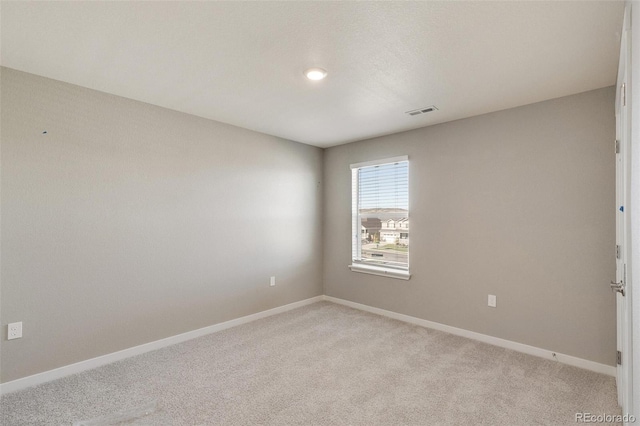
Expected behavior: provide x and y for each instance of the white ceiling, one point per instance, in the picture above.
(242, 62)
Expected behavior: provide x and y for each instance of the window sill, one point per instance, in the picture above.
(381, 271)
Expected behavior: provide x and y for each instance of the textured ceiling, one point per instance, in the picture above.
(242, 62)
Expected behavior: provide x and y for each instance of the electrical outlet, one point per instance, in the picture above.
(492, 301)
(14, 330)
(272, 282)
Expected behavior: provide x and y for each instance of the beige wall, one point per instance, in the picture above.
(518, 203)
(127, 223)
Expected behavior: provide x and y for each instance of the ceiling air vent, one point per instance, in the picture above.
(422, 110)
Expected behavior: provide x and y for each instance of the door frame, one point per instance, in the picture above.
(624, 330)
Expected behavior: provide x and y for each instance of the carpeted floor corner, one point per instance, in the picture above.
(323, 364)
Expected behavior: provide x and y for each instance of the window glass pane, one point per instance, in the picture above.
(381, 214)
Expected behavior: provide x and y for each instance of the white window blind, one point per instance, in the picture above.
(380, 208)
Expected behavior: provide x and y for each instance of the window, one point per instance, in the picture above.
(380, 217)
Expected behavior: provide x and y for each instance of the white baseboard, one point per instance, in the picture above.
(496, 341)
(81, 366)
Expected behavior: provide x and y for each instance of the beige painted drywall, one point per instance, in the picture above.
(126, 223)
(517, 203)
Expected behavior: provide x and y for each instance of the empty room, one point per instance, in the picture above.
(319, 213)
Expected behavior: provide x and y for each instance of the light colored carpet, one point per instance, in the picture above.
(323, 364)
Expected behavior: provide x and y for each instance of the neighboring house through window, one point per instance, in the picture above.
(380, 217)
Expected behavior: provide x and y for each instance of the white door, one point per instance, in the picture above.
(623, 226)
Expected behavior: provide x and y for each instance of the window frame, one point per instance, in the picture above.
(357, 263)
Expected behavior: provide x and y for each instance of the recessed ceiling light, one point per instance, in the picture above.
(315, 73)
